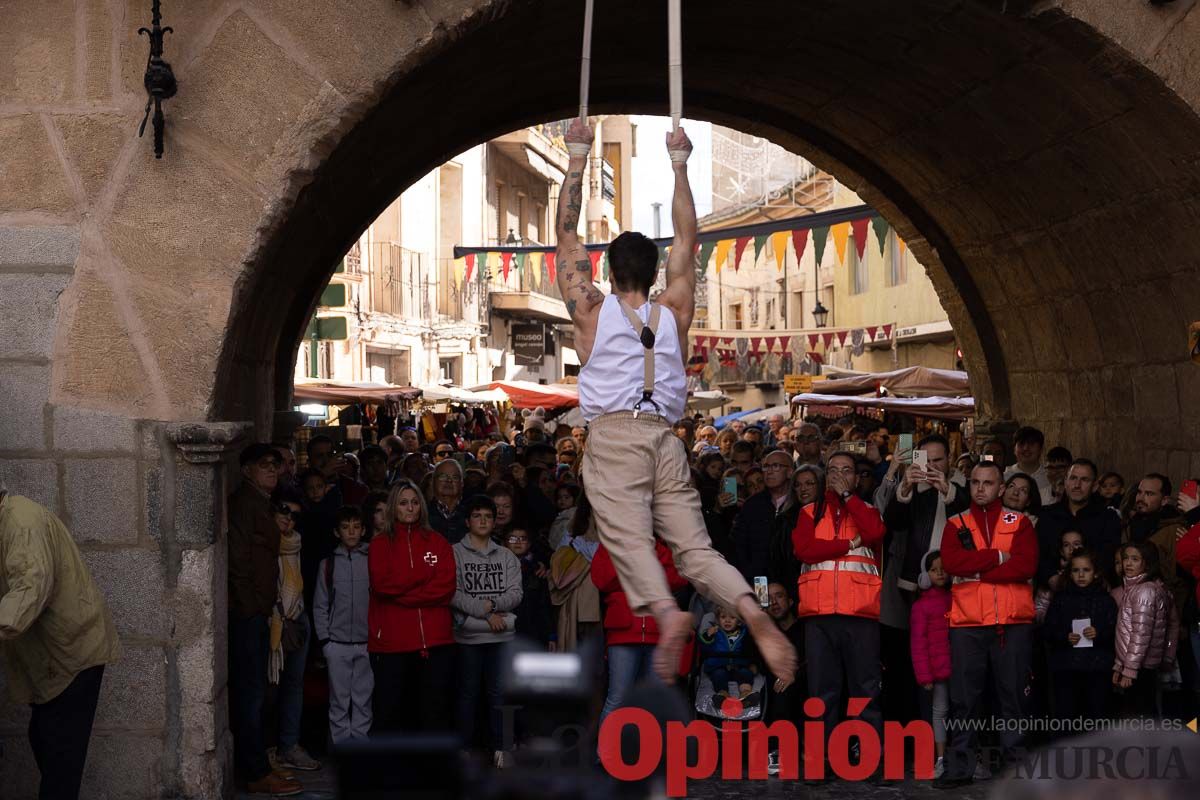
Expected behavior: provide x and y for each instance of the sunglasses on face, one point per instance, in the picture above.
(444, 453)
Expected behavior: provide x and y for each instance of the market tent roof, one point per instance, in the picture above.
(336, 393)
(907, 382)
(457, 394)
(940, 407)
(766, 413)
(721, 422)
(526, 394)
(703, 401)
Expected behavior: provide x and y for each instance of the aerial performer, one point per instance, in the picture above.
(632, 387)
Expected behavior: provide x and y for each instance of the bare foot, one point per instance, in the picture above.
(776, 650)
(673, 633)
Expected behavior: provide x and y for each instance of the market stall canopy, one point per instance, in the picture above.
(703, 401)
(342, 394)
(721, 422)
(940, 407)
(457, 394)
(526, 394)
(767, 413)
(907, 382)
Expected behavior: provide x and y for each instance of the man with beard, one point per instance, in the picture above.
(807, 440)
(1154, 520)
(1078, 510)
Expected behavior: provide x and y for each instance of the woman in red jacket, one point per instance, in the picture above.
(630, 640)
(412, 644)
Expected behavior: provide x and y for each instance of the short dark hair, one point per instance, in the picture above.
(1087, 462)
(991, 465)
(347, 514)
(935, 438)
(632, 262)
(542, 448)
(1163, 479)
(1060, 453)
(320, 438)
(310, 473)
(1029, 435)
(753, 429)
(742, 446)
(479, 502)
(372, 452)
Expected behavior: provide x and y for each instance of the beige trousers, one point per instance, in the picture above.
(637, 479)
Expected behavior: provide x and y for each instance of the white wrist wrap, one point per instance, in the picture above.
(679, 156)
(578, 149)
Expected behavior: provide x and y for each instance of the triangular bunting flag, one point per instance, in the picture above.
(739, 248)
(799, 242)
(881, 230)
(550, 257)
(785, 342)
(506, 263)
(841, 235)
(460, 267)
(470, 260)
(759, 243)
(820, 236)
(779, 248)
(859, 226)
(594, 256)
(887, 331)
(755, 343)
(536, 259)
(812, 341)
(843, 337)
(706, 249)
(771, 340)
(723, 252)
(826, 339)
(605, 269)
(521, 259)
(871, 332)
(484, 265)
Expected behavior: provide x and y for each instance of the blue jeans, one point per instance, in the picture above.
(291, 690)
(721, 676)
(481, 664)
(627, 664)
(249, 643)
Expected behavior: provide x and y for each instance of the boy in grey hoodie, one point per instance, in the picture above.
(340, 617)
(488, 590)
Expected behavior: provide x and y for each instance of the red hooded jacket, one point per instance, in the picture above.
(412, 583)
(620, 625)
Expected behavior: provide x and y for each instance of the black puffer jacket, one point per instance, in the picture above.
(1071, 603)
(751, 534)
(1099, 525)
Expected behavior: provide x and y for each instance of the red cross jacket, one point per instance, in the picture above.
(412, 583)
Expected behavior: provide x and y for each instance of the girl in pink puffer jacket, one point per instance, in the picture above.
(930, 644)
(1147, 630)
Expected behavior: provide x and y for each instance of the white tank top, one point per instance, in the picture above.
(613, 377)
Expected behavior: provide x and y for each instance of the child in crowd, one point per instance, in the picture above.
(729, 657)
(1079, 632)
(930, 638)
(317, 525)
(1147, 630)
(487, 593)
(535, 614)
(340, 605)
(1068, 543)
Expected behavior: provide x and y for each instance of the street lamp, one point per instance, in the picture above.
(820, 314)
(512, 240)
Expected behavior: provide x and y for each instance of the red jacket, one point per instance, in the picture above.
(1021, 565)
(412, 583)
(811, 550)
(1187, 554)
(620, 625)
(931, 636)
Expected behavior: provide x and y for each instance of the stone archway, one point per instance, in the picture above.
(1042, 159)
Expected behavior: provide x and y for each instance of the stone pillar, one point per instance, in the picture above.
(192, 525)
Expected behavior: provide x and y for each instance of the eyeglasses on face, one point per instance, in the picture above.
(444, 453)
(775, 466)
(449, 479)
(517, 539)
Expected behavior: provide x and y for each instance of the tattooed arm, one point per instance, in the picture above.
(680, 294)
(582, 297)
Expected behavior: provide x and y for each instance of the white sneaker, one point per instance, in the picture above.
(982, 773)
(773, 762)
(939, 768)
(502, 759)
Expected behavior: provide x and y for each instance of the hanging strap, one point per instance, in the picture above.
(675, 62)
(585, 65)
(646, 332)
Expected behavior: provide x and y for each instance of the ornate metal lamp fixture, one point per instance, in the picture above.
(160, 80)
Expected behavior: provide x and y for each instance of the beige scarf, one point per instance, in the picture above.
(290, 602)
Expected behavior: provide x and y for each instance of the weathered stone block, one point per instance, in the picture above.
(24, 389)
(152, 502)
(102, 500)
(134, 692)
(133, 583)
(196, 498)
(33, 68)
(123, 767)
(33, 478)
(98, 68)
(28, 311)
(79, 429)
(55, 246)
(92, 144)
(33, 179)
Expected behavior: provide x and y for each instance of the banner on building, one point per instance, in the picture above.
(797, 384)
(529, 343)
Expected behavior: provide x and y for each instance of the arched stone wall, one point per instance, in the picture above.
(1042, 159)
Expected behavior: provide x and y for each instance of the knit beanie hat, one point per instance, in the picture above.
(535, 419)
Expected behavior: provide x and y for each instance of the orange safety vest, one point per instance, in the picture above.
(975, 603)
(847, 585)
